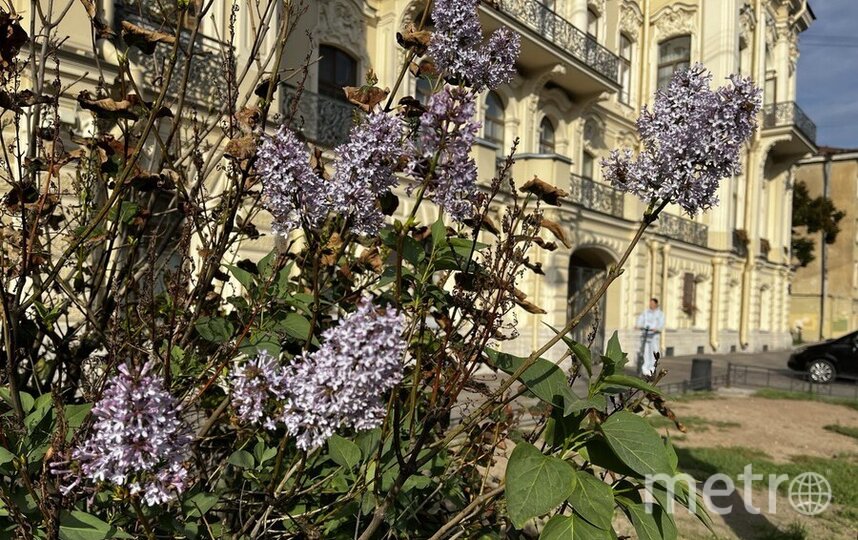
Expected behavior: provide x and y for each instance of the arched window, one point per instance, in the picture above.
(673, 55)
(592, 25)
(546, 136)
(587, 161)
(625, 68)
(336, 69)
(494, 124)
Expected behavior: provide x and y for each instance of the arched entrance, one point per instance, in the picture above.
(587, 269)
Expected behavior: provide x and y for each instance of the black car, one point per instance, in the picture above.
(825, 361)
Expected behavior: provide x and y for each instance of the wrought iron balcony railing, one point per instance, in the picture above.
(788, 113)
(682, 229)
(562, 33)
(324, 120)
(208, 68)
(599, 197)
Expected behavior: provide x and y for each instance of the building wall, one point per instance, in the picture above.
(824, 293)
(740, 300)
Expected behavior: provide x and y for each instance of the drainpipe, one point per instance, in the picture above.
(823, 250)
(714, 315)
(664, 296)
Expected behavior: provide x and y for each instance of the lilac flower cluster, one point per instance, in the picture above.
(365, 169)
(692, 137)
(365, 166)
(456, 46)
(138, 440)
(254, 384)
(339, 385)
(442, 153)
(293, 193)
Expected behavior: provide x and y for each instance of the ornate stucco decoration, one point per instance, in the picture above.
(675, 20)
(597, 5)
(771, 32)
(341, 24)
(630, 19)
(594, 133)
(747, 24)
(793, 50)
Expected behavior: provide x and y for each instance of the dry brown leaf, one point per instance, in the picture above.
(107, 107)
(546, 192)
(366, 97)
(248, 118)
(423, 70)
(144, 39)
(371, 260)
(557, 230)
(12, 38)
(102, 30)
(486, 224)
(331, 251)
(530, 307)
(411, 108)
(241, 148)
(262, 88)
(413, 38)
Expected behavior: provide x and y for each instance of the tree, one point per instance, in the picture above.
(815, 215)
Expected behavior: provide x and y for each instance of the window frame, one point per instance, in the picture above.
(546, 146)
(674, 64)
(498, 121)
(626, 45)
(333, 88)
(588, 161)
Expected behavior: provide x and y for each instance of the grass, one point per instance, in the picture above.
(793, 531)
(843, 430)
(841, 471)
(770, 393)
(692, 396)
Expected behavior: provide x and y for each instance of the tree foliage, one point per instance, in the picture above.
(814, 214)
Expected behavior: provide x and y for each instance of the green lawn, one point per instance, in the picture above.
(843, 430)
(770, 393)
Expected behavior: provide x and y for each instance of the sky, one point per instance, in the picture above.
(828, 72)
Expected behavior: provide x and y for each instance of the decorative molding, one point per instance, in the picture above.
(747, 24)
(793, 50)
(626, 139)
(631, 20)
(341, 23)
(675, 20)
(771, 32)
(597, 5)
(594, 132)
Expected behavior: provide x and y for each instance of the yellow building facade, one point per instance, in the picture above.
(824, 294)
(585, 70)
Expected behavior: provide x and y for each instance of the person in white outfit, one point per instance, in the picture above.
(650, 323)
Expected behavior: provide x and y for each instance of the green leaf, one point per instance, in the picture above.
(343, 452)
(614, 352)
(417, 481)
(215, 329)
(594, 500)
(76, 525)
(572, 528)
(631, 382)
(644, 522)
(5, 456)
(535, 483)
(199, 504)
(263, 453)
(243, 276)
(636, 443)
(126, 212)
(27, 400)
(242, 459)
(296, 326)
(580, 351)
(543, 378)
(672, 458)
(76, 414)
(439, 232)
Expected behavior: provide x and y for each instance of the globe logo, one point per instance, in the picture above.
(809, 493)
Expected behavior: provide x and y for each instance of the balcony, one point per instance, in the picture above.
(787, 117)
(594, 196)
(548, 40)
(322, 120)
(207, 76)
(682, 229)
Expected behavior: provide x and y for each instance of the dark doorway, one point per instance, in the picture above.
(587, 269)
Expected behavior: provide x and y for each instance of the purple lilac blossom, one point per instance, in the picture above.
(339, 385)
(692, 137)
(138, 440)
(365, 167)
(293, 193)
(255, 383)
(447, 133)
(456, 46)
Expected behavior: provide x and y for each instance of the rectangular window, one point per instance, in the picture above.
(625, 68)
(688, 293)
(673, 55)
(587, 165)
